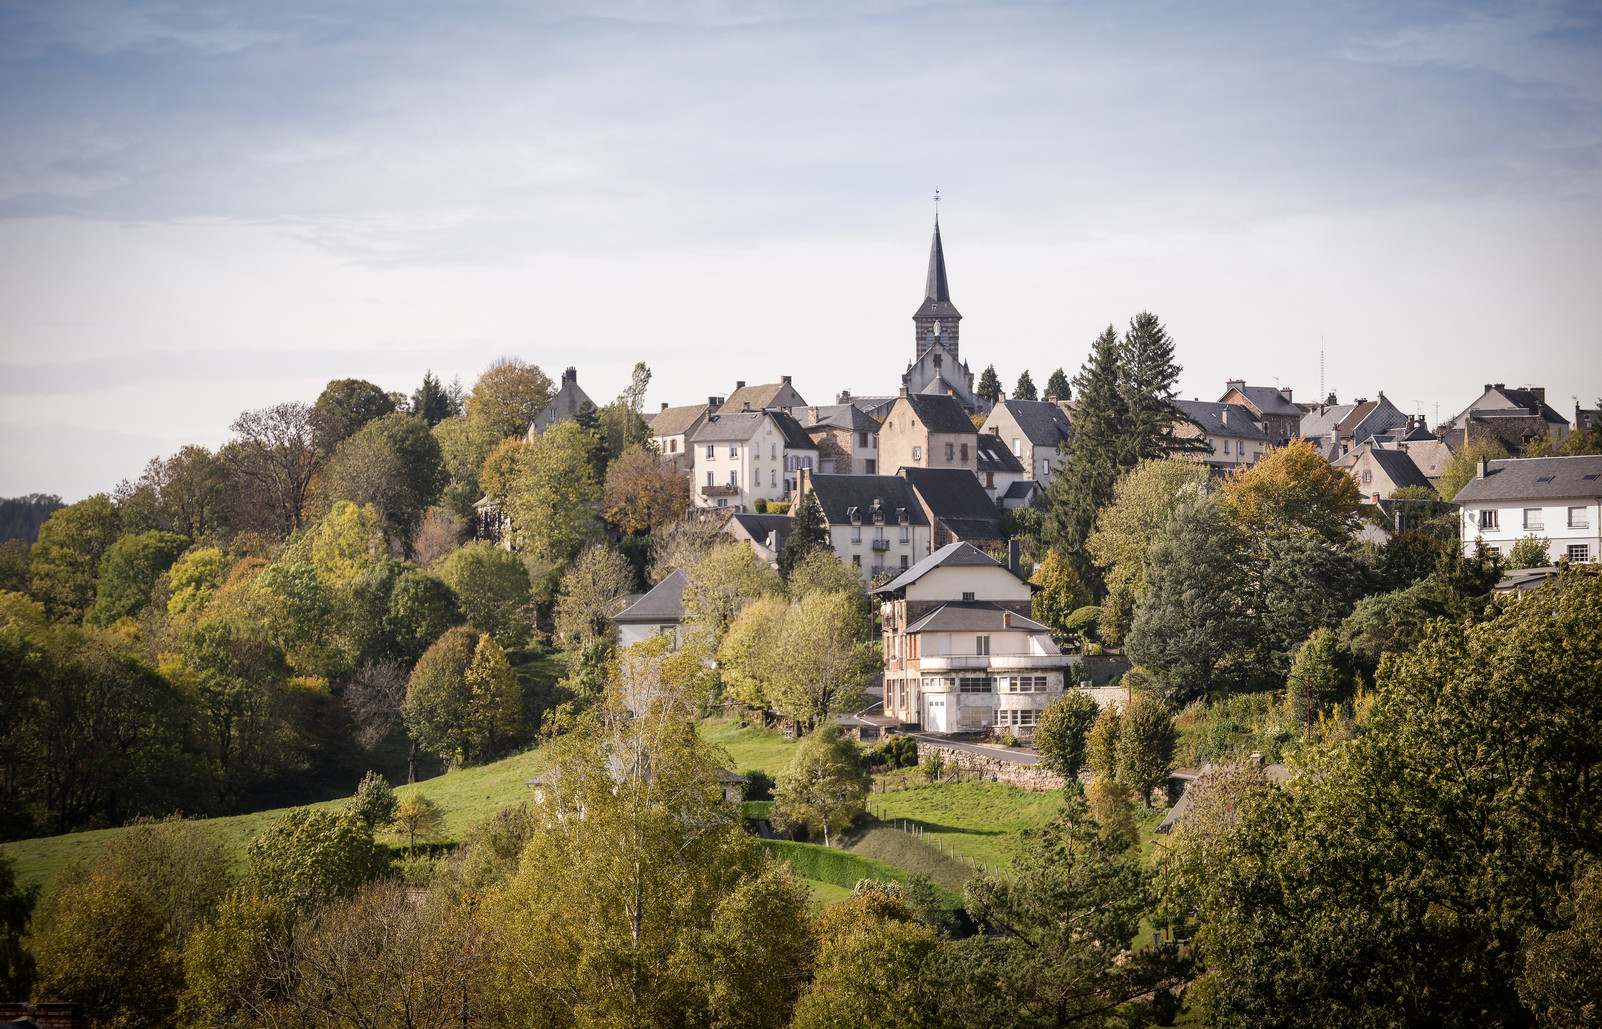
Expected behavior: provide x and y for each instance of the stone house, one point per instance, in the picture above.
(1558, 498)
(1036, 431)
(961, 652)
(846, 436)
(741, 456)
(957, 506)
(875, 522)
(781, 395)
(765, 533)
(1336, 428)
(1233, 435)
(568, 402)
(924, 431)
(1513, 416)
(1280, 417)
(672, 428)
(1381, 470)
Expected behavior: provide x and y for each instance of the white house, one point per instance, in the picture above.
(741, 456)
(1556, 498)
(961, 653)
(660, 611)
(1037, 433)
(875, 522)
(672, 428)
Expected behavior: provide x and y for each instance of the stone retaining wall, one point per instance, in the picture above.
(1029, 777)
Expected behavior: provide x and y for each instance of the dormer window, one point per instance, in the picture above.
(901, 516)
(855, 515)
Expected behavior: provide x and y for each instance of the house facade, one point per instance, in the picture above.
(923, 431)
(568, 402)
(741, 456)
(1556, 498)
(659, 612)
(999, 470)
(846, 436)
(875, 522)
(1233, 436)
(672, 428)
(1516, 417)
(1036, 431)
(1272, 407)
(961, 653)
(781, 395)
(1381, 470)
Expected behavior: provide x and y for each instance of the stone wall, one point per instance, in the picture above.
(1029, 777)
(45, 1016)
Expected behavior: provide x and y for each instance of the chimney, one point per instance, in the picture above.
(739, 384)
(664, 405)
(813, 413)
(1540, 393)
(1375, 499)
(1235, 384)
(1012, 556)
(571, 375)
(785, 379)
(903, 392)
(1487, 387)
(1501, 385)
(1382, 394)
(1483, 468)
(712, 404)
(1285, 391)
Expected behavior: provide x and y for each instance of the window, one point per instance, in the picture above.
(1533, 518)
(673, 446)
(872, 466)
(1226, 447)
(1544, 478)
(709, 479)
(756, 476)
(1025, 684)
(734, 477)
(1368, 476)
(862, 440)
(965, 453)
(1578, 519)
(981, 646)
(856, 561)
(990, 480)
(773, 477)
(906, 534)
(951, 451)
(1579, 551)
(722, 502)
(977, 684)
(917, 453)
(1488, 519)
(967, 597)
(1017, 447)
(773, 451)
(711, 451)
(1021, 716)
(903, 562)
(734, 450)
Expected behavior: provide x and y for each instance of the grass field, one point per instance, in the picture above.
(978, 820)
(904, 851)
(750, 747)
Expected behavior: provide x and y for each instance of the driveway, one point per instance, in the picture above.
(1017, 757)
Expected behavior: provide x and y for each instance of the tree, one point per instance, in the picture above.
(746, 655)
(310, 856)
(232, 965)
(102, 946)
(825, 786)
(1323, 671)
(420, 609)
(1292, 491)
(1086, 481)
(1307, 585)
(1146, 738)
(495, 711)
(725, 578)
(14, 566)
(591, 591)
(508, 397)
(128, 572)
(1025, 389)
(1194, 612)
(461, 697)
(989, 387)
(493, 586)
(463, 446)
(1464, 464)
(642, 492)
(178, 866)
(374, 698)
(1143, 498)
(822, 663)
(346, 542)
(1150, 375)
(1060, 594)
(871, 968)
(417, 816)
(183, 494)
(807, 533)
(17, 901)
(20, 517)
(431, 402)
(343, 407)
(64, 565)
(393, 463)
(373, 802)
(1531, 551)
(1062, 736)
(1057, 387)
(1560, 977)
(553, 503)
(194, 579)
(439, 534)
(1101, 745)
(275, 458)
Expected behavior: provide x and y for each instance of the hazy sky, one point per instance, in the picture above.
(211, 207)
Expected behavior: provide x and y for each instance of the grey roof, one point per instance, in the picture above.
(795, 436)
(1526, 402)
(1326, 422)
(940, 412)
(1266, 400)
(951, 555)
(838, 494)
(664, 602)
(1020, 489)
(1042, 421)
(973, 616)
(995, 456)
(1234, 420)
(1371, 418)
(568, 402)
(952, 493)
(841, 416)
(743, 425)
(1399, 467)
(1519, 479)
(674, 421)
(936, 292)
(1429, 455)
(758, 526)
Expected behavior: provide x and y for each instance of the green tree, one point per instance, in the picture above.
(1146, 738)
(825, 786)
(1559, 983)
(1150, 376)
(1307, 585)
(1101, 746)
(420, 609)
(1057, 387)
(310, 856)
(1093, 463)
(591, 591)
(1194, 612)
(128, 572)
(416, 817)
(1061, 739)
(463, 445)
(64, 565)
(508, 397)
(1059, 596)
(348, 540)
(871, 968)
(989, 387)
(232, 966)
(1143, 498)
(725, 578)
(1293, 491)
(393, 463)
(1464, 464)
(432, 402)
(1531, 551)
(495, 711)
(17, 901)
(373, 802)
(195, 578)
(179, 867)
(556, 493)
(493, 587)
(1323, 672)
(101, 945)
(14, 566)
(1025, 388)
(462, 697)
(344, 407)
(807, 533)
(747, 655)
(822, 663)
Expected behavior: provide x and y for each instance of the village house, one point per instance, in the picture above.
(1001, 473)
(924, 431)
(1516, 417)
(957, 506)
(1272, 407)
(846, 437)
(743, 456)
(1381, 470)
(876, 524)
(765, 533)
(1233, 436)
(660, 611)
(1036, 431)
(568, 402)
(1430, 456)
(961, 653)
(672, 427)
(1555, 498)
(1335, 428)
(780, 395)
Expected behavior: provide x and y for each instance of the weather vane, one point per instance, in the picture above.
(937, 204)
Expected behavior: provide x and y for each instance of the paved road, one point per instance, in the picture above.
(1017, 757)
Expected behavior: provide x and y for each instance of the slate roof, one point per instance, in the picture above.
(567, 403)
(841, 416)
(1519, 479)
(936, 293)
(1317, 424)
(795, 437)
(744, 425)
(995, 456)
(973, 616)
(758, 396)
(952, 493)
(1372, 418)
(675, 421)
(758, 526)
(957, 554)
(1399, 467)
(940, 412)
(1042, 421)
(1266, 400)
(664, 602)
(1525, 403)
(837, 494)
(1233, 420)
(1020, 490)
(1430, 456)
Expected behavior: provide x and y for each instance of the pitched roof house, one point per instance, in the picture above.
(1335, 428)
(1001, 473)
(922, 431)
(956, 505)
(1381, 470)
(567, 403)
(765, 533)
(1514, 416)
(1280, 417)
(672, 428)
(660, 610)
(876, 523)
(781, 395)
(1036, 431)
(743, 455)
(1233, 435)
(1558, 498)
(847, 439)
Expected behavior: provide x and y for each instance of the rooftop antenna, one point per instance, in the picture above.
(1321, 393)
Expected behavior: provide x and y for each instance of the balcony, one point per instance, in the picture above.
(881, 544)
(994, 662)
(726, 490)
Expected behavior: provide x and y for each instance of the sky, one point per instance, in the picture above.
(211, 207)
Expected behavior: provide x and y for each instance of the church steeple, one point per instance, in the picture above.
(936, 318)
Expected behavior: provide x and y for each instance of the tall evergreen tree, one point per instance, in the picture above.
(1094, 455)
(1025, 390)
(989, 384)
(431, 402)
(1057, 387)
(1149, 377)
(807, 533)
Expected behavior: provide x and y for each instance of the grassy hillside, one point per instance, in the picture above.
(977, 820)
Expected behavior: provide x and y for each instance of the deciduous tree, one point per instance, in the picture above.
(394, 464)
(275, 457)
(554, 499)
(64, 565)
(493, 587)
(1061, 739)
(1146, 738)
(643, 493)
(1060, 594)
(508, 397)
(825, 786)
(1142, 501)
(128, 572)
(1292, 491)
(591, 590)
(310, 856)
(344, 406)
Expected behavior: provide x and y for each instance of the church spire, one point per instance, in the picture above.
(935, 321)
(935, 287)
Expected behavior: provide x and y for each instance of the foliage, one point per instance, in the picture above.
(1559, 979)
(437, 536)
(1143, 498)
(417, 817)
(419, 610)
(1057, 387)
(311, 856)
(825, 786)
(642, 492)
(1025, 388)
(195, 578)
(591, 590)
(344, 407)
(432, 402)
(1323, 670)
(725, 578)
(231, 965)
(989, 387)
(1062, 735)
(1458, 588)
(807, 533)
(128, 572)
(1573, 443)
(346, 542)
(508, 397)
(1531, 551)
(464, 445)
(395, 464)
(14, 566)
(869, 971)
(101, 945)
(1307, 585)
(554, 498)
(747, 655)
(758, 785)
(177, 865)
(1095, 452)
(1150, 377)
(1059, 596)
(1101, 745)
(373, 802)
(821, 663)
(1193, 614)
(1464, 464)
(1290, 492)
(1146, 738)
(64, 564)
(20, 517)
(463, 701)
(17, 901)
(274, 460)
(492, 586)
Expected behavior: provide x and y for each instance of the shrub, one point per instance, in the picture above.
(758, 785)
(374, 802)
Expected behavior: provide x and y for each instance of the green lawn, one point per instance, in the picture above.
(977, 820)
(750, 747)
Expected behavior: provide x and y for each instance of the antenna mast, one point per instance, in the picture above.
(1321, 393)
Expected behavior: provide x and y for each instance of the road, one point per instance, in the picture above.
(1017, 757)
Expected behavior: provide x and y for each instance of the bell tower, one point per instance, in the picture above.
(935, 321)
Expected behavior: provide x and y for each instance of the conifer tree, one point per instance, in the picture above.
(430, 402)
(1025, 390)
(1087, 477)
(807, 533)
(989, 384)
(1149, 377)
(1057, 387)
